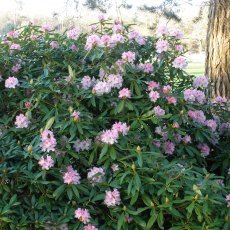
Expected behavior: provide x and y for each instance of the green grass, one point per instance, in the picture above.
(196, 64)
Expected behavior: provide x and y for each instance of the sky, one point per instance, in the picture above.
(48, 7)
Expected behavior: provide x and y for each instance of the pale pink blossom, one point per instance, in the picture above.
(200, 81)
(220, 100)
(228, 200)
(211, 124)
(33, 37)
(74, 33)
(11, 82)
(48, 141)
(101, 88)
(71, 176)
(146, 68)
(22, 121)
(152, 85)
(16, 67)
(90, 227)
(112, 198)
(159, 111)
(105, 40)
(180, 63)
(168, 147)
(46, 162)
(154, 95)
(15, 47)
(116, 39)
(86, 82)
(178, 34)
(121, 128)
(224, 127)
(124, 93)
(180, 48)
(157, 143)
(27, 104)
(171, 100)
(101, 17)
(96, 175)
(63, 227)
(167, 89)
(83, 145)
(54, 44)
(115, 167)
(46, 28)
(109, 137)
(162, 30)
(115, 80)
(129, 56)
(92, 42)
(82, 215)
(162, 46)
(205, 150)
(187, 139)
(73, 47)
(12, 34)
(194, 95)
(76, 115)
(175, 125)
(136, 36)
(197, 116)
(118, 28)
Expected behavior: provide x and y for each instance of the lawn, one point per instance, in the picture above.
(196, 64)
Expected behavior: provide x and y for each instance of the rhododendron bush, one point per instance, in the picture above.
(105, 130)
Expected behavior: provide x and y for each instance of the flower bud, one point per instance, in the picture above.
(133, 167)
(166, 200)
(30, 149)
(138, 149)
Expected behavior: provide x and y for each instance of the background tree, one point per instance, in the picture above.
(218, 48)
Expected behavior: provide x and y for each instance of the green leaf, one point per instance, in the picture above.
(120, 221)
(57, 193)
(49, 123)
(151, 221)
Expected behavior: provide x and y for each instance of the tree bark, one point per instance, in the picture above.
(218, 48)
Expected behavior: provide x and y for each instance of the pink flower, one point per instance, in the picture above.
(116, 39)
(162, 45)
(211, 124)
(22, 121)
(33, 37)
(27, 104)
(46, 162)
(109, 137)
(16, 67)
(152, 85)
(112, 198)
(200, 81)
(134, 35)
(171, 100)
(159, 111)
(146, 68)
(63, 227)
(167, 89)
(84, 145)
(105, 40)
(15, 47)
(175, 125)
(101, 17)
(224, 127)
(73, 34)
(228, 200)
(118, 28)
(115, 167)
(82, 215)
(11, 82)
(90, 227)
(96, 175)
(162, 30)
(157, 143)
(54, 44)
(121, 128)
(178, 34)
(205, 150)
(76, 115)
(197, 116)
(194, 95)
(128, 56)
(187, 139)
(46, 28)
(86, 82)
(101, 88)
(115, 80)
(168, 147)
(220, 100)
(92, 42)
(179, 48)
(71, 176)
(154, 95)
(180, 63)
(12, 34)
(48, 141)
(124, 93)
(73, 47)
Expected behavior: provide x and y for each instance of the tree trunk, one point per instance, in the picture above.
(218, 48)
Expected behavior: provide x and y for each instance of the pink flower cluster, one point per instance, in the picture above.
(71, 176)
(194, 95)
(12, 34)
(171, 100)
(220, 100)
(46, 162)
(124, 93)
(92, 41)
(96, 175)
(15, 47)
(46, 28)
(115, 167)
(162, 46)
(146, 68)
(118, 28)
(76, 115)
(48, 141)
(84, 145)
(153, 85)
(73, 34)
(54, 44)
(178, 34)
(180, 62)
(179, 48)
(200, 81)
(112, 198)
(111, 136)
(128, 56)
(169, 147)
(211, 124)
(153, 96)
(136, 36)
(115, 80)
(16, 67)
(162, 30)
(22, 121)
(204, 149)
(102, 87)
(90, 227)
(11, 82)
(197, 116)
(87, 82)
(228, 200)
(82, 215)
(159, 111)
(167, 89)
